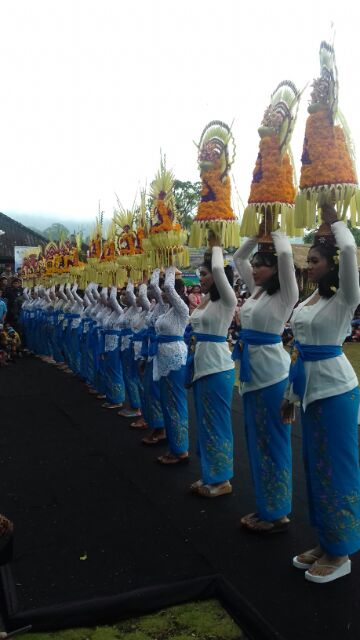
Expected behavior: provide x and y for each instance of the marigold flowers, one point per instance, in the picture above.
(273, 175)
(326, 158)
(215, 196)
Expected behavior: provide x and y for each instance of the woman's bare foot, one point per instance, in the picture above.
(310, 556)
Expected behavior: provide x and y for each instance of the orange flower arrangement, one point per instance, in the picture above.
(215, 196)
(126, 242)
(272, 191)
(325, 158)
(273, 175)
(163, 218)
(216, 154)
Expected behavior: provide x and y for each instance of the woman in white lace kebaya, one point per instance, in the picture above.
(325, 382)
(264, 370)
(213, 379)
(114, 387)
(152, 410)
(169, 370)
(129, 372)
(137, 324)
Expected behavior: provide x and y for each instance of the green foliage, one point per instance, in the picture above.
(56, 232)
(309, 237)
(36, 230)
(187, 196)
(356, 233)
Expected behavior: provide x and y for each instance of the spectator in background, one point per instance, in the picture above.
(3, 286)
(194, 296)
(8, 272)
(14, 296)
(3, 308)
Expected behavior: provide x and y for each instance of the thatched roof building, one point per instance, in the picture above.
(15, 233)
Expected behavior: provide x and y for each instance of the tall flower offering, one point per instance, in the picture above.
(216, 154)
(165, 243)
(328, 171)
(272, 191)
(130, 254)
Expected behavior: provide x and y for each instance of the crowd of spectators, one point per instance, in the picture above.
(11, 299)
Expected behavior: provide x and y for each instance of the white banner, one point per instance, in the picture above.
(23, 252)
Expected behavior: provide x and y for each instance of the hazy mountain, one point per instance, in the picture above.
(41, 222)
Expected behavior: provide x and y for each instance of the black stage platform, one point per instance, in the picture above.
(102, 532)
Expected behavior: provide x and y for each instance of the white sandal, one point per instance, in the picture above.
(338, 572)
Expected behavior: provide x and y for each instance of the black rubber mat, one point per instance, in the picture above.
(96, 517)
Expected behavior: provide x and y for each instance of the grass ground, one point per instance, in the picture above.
(193, 621)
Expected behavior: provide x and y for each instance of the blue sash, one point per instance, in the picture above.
(241, 350)
(126, 332)
(148, 337)
(139, 336)
(308, 353)
(162, 339)
(193, 339)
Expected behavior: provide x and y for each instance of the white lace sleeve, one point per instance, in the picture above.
(176, 302)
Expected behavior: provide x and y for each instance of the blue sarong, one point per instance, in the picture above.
(212, 397)
(130, 373)
(331, 458)
(269, 448)
(174, 405)
(151, 407)
(114, 387)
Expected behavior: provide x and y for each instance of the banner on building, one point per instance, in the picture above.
(23, 252)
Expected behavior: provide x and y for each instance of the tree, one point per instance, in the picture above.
(187, 196)
(309, 237)
(56, 231)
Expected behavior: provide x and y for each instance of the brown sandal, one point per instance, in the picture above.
(170, 460)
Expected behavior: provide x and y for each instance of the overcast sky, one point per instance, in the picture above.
(91, 90)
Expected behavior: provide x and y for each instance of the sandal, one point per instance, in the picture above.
(170, 460)
(108, 405)
(130, 413)
(255, 526)
(153, 440)
(194, 487)
(139, 424)
(212, 491)
(338, 571)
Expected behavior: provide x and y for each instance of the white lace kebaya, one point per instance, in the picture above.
(129, 314)
(138, 322)
(171, 356)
